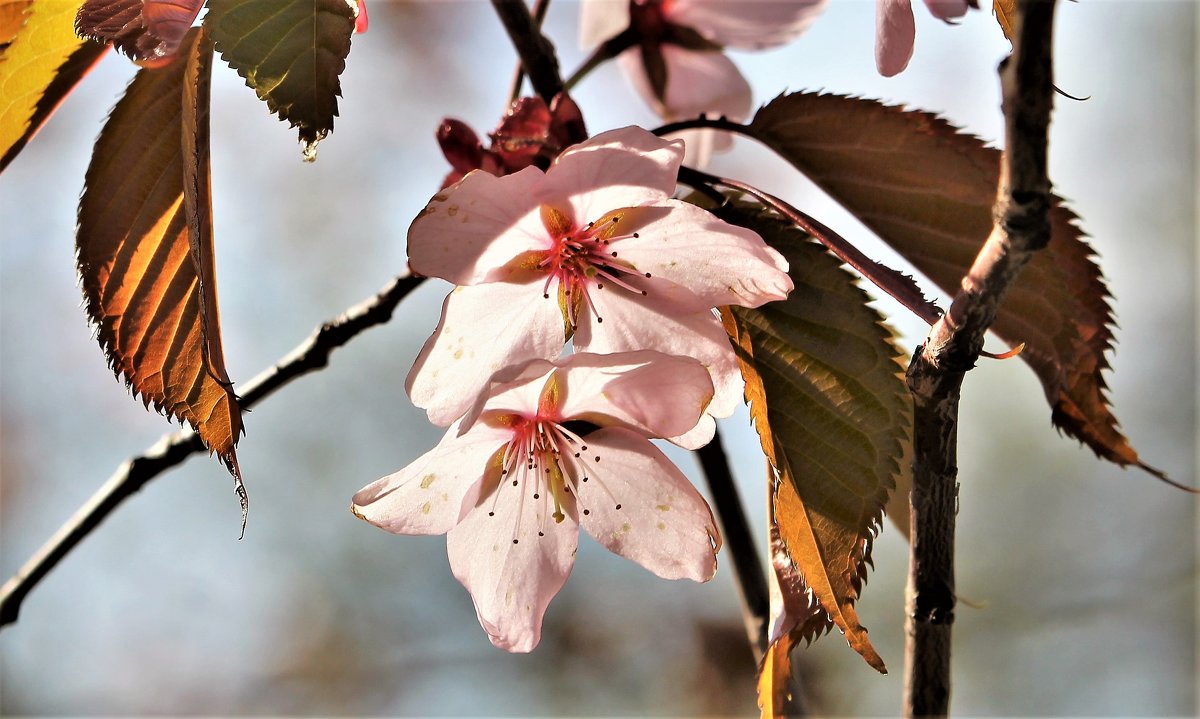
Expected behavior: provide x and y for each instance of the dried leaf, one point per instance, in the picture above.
(145, 251)
(927, 190)
(827, 396)
(39, 68)
(291, 53)
(148, 31)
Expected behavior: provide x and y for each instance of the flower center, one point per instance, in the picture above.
(584, 259)
(547, 462)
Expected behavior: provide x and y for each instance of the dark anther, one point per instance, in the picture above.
(618, 506)
(515, 541)
(587, 511)
(536, 495)
(491, 514)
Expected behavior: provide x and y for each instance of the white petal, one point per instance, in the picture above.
(469, 231)
(511, 582)
(601, 19)
(747, 24)
(427, 496)
(625, 167)
(697, 82)
(628, 388)
(631, 325)
(639, 505)
(483, 329)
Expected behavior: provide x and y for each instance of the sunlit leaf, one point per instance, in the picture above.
(827, 396)
(291, 53)
(145, 250)
(39, 68)
(927, 190)
(148, 31)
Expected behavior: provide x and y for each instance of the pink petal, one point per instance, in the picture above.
(483, 329)
(513, 389)
(432, 494)
(895, 32)
(718, 263)
(469, 231)
(630, 324)
(628, 388)
(697, 82)
(619, 168)
(947, 9)
(702, 144)
(601, 19)
(511, 582)
(747, 24)
(640, 506)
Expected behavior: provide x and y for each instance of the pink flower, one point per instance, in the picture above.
(529, 134)
(360, 15)
(595, 251)
(550, 447)
(676, 62)
(895, 30)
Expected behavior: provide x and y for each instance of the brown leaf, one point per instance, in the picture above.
(145, 251)
(927, 190)
(1005, 12)
(40, 65)
(827, 397)
(148, 31)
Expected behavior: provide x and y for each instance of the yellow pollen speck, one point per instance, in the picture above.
(663, 507)
(662, 525)
(626, 527)
(508, 597)
(440, 198)
(427, 480)
(452, 210)
(426, 507)
(458, 353)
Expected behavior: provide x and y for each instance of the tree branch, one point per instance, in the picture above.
(539, 16)
(536, 51)
(739, 540)
(174, 448)
(1022, 227)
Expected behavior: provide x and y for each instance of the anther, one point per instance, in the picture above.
(587, 511)
(618, 506)
(647, 274)
(516, 541)
(515, 481)
(541, 534)
(636, 235)
(491, 514)
(538, 496)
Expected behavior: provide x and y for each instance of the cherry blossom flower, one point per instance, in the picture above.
(547, 449)
(895, 30)
(675, 60)
(595, 251)
(530, 133)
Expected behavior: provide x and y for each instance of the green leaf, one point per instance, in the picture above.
(41, 61)
(291, 53)
(827, 395)
(927, 190)
(145, 251)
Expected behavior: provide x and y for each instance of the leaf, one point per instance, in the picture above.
(1005, 12)
(927, 190)
(291, 53)
(826, 394)
(148, 31)
(145, 251)
(43, 63)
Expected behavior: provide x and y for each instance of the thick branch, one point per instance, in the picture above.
(536, 51)
(1022, 226)
(173, 449)
(539, 16)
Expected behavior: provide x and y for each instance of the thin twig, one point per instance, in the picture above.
(1022, 227)
(539, 16)
(174, 448)
(739, 540)
(535, 49)
(900, 286)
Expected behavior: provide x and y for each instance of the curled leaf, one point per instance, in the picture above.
(145, 251)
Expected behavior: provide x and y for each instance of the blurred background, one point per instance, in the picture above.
(1086, 573)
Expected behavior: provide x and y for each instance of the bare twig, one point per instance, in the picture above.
(1022, 226)
(739, 540)
(173, 449)
(535, 49)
